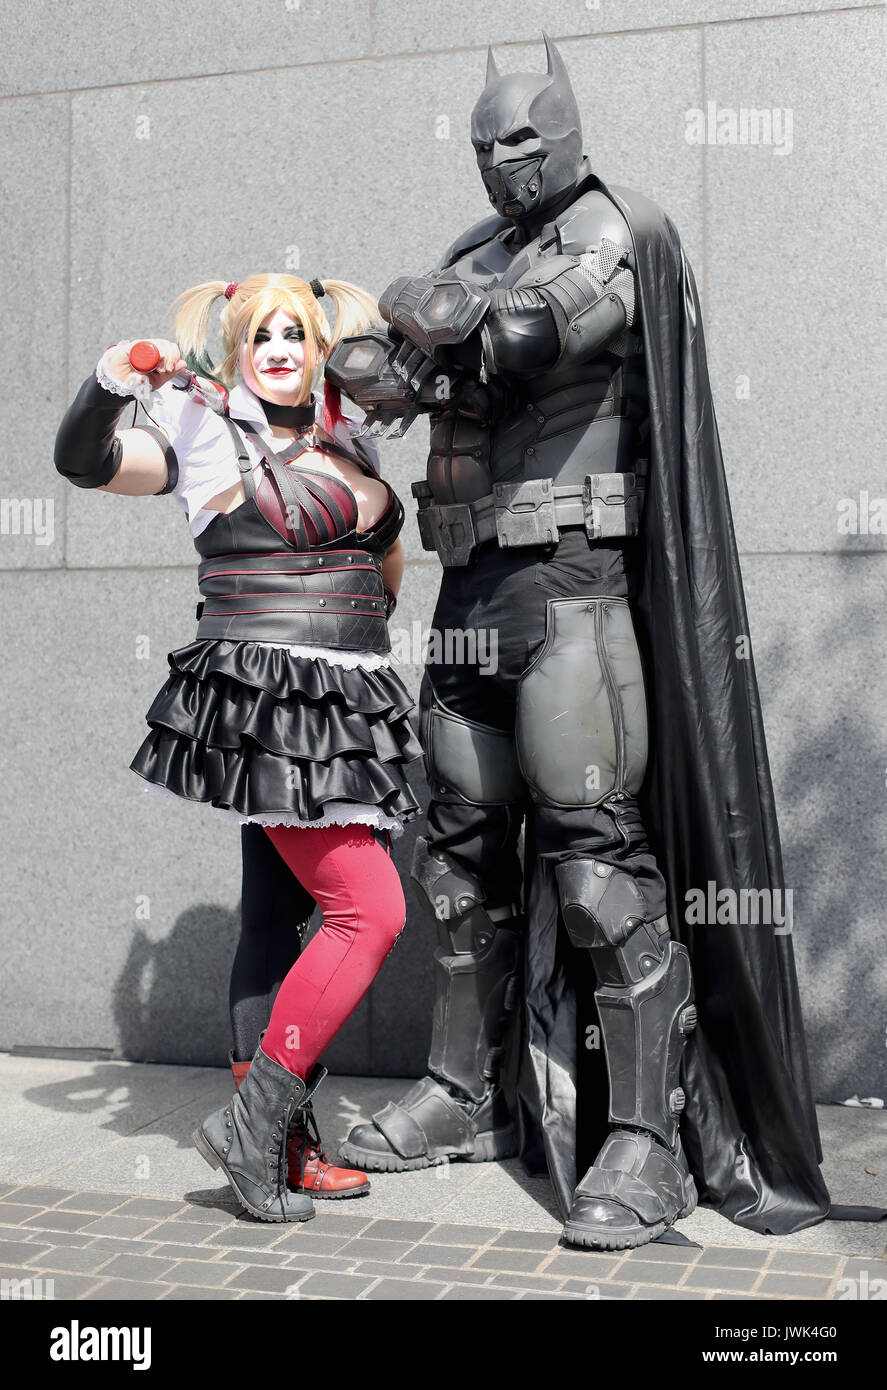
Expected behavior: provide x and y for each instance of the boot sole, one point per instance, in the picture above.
(206, 1150)
(489, 1147)
(332, 1196)
(600, 1239)
(597, 1240)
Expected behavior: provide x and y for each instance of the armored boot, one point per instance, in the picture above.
(247, 1140)
(459, 1110)
(308, 1168)
(640, 1183)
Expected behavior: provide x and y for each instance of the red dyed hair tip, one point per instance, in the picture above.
(143, 357)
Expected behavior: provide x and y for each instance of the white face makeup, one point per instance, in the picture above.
(279, 356)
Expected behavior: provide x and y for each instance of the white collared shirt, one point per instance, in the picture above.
(205, 449)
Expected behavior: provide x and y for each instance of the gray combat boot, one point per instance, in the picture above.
(247, 1140)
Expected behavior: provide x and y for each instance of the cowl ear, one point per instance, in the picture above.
(556, 67)
(492, 70)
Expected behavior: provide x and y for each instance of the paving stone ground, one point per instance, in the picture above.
(80, 1246)
(146, 1231)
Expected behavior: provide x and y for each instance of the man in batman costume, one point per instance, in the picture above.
(576, 497)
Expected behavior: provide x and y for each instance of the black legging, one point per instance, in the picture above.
(274, 906)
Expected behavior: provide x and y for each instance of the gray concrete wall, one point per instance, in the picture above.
(145, 148)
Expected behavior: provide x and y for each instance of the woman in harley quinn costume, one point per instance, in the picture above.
(284, 712)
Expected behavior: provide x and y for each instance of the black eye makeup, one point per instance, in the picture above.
(294, 332)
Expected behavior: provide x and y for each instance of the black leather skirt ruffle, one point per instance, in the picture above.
(255, 730)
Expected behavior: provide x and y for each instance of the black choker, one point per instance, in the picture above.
(294, 416)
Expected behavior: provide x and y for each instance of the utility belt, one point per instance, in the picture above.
(336, 599)
(534, 512)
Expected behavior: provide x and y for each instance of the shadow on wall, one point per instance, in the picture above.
(831, 799)
(170, 1001)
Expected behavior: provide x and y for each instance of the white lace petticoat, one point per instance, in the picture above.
(336, 813)
(368, 661)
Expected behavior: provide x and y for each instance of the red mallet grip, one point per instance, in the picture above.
(143, 357)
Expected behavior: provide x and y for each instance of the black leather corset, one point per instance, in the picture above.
(335, 599)
(288, 564)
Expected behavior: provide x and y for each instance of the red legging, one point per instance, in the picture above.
(357, 888)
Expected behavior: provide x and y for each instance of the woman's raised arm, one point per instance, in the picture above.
(90, 451)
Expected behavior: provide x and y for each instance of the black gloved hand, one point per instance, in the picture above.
(484, 402)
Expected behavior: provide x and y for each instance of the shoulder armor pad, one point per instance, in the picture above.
(474, 236)
(545, 271)
(588, 219)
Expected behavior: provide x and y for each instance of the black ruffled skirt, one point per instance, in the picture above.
(257, 731)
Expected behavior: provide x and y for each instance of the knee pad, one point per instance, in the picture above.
(466, 761)
(448, 890)
(601, 904)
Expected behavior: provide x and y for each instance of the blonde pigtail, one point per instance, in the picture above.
(192, 325)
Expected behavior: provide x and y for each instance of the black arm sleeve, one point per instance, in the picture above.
(87, 452)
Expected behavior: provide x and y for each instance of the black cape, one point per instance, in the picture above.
(749, 1127)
